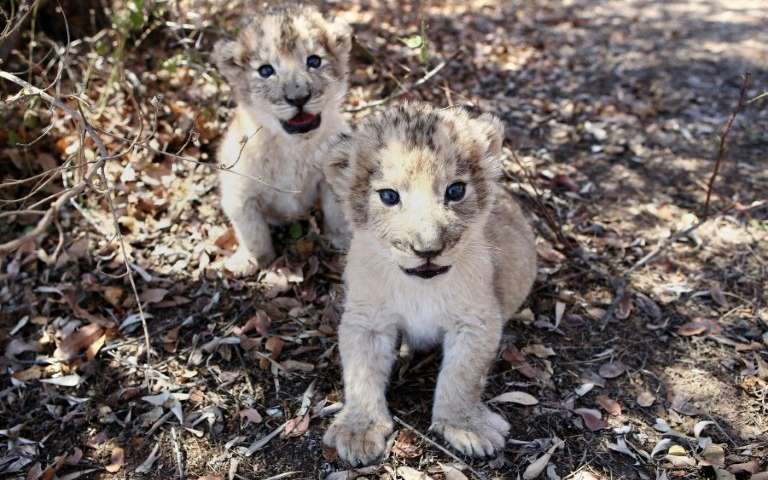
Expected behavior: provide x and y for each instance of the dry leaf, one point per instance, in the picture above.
(645, 399)
(612, 369)
(713, 455)
(171, 340)
(153, 295)
(113, 295)
(538, 350)
(609, 405)
(259, 322)
(78, 341)
(64, 381)
(534, 469)
(696, 327)
(405, 445)
(624, 307)
(747, 467)
(250, 414)
(408, 473)
(521, 398)
(32, 373)
(116, 461)
(717, 295)
(452, 473)
(593, 419)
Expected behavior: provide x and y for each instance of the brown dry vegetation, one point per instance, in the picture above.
(614, 111)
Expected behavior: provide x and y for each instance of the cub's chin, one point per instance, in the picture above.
(302, 122)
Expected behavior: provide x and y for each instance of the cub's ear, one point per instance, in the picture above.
(491, 128)
(337, 156)
(227, 55)
(341, 33)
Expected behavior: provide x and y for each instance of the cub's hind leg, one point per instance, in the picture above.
(256, 250)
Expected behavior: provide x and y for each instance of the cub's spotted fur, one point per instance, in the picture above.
(288, 71)
(440, 253)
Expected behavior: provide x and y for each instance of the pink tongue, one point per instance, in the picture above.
(301, 119)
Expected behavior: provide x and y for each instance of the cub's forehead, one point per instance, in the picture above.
(412, 139)
(283, 30)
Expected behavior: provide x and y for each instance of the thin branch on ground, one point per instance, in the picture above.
(464, 464)
(407, 89)
(723, 137)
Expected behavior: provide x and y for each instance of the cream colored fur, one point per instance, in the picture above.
(275, 176)
(492, 269)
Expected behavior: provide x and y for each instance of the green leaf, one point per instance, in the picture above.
(413, 42)
(13, 138)
(295, 231)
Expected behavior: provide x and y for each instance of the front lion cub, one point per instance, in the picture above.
(441, 254)
(288, 70)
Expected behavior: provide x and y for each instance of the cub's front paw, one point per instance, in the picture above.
(359, 439)
(242, 263)
(478, 432)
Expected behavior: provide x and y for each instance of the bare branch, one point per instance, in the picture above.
(724, 137)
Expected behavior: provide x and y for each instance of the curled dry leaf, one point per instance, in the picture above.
(250, 415)
(696, 327)
(612, 369)
(609, 405)
(593, 419)
(259, 322)
(700, 426)
(78, 341)
(521, 398)
(645, 399)
(405, 445)
(662, 446)
(116, 460)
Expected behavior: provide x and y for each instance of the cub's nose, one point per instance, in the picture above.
(298, 101)
(427, 254)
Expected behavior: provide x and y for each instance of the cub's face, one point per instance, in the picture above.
(287, 67)
(420, 180)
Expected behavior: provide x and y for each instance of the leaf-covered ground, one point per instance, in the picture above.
(614, 111)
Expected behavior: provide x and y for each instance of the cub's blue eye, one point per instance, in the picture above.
(389, 197)
(266, 71)
(313, 61)
(455, 191)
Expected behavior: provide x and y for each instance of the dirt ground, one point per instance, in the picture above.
(614, 112)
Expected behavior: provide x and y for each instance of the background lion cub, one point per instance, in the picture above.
(288, 70)
(440, 253)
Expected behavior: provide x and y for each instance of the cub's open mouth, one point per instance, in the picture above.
(303, 122)
(428, 270)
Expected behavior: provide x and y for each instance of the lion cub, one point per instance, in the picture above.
(440, 253)
(288, 70)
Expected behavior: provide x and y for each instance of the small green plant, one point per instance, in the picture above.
(418, 42)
